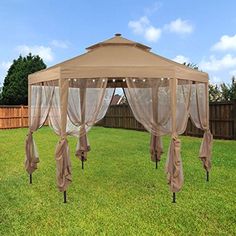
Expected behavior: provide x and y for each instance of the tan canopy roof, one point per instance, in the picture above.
(118, 58)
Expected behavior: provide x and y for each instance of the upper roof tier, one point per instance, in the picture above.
(118, 40)
(119, 57)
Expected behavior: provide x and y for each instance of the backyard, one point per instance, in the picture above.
(119, 192)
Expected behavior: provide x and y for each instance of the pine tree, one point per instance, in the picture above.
(15, 86)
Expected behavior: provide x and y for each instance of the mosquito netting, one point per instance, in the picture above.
(74, 95)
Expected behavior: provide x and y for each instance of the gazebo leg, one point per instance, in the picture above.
(174, 198)
(30, 178)
(82, 162)
(64, 193)
(156, 161)
(207, 176)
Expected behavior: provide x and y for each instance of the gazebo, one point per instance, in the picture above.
(75, 94)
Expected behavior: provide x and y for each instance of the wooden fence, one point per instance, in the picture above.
(222, 119)
(13, 117)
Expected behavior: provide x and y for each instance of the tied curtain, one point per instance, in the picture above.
(88, 102)
(76, 107)
(39, 106)
(162, 108)
(72, 107)
(147, 97)
(60, 123)
(200, 117)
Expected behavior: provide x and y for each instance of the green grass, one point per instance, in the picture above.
(119, 193)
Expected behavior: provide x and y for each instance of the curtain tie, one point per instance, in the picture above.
(62, 156)
(205, 149)
(156, 148)
(31, 153)
(174, 165)
(82, 147)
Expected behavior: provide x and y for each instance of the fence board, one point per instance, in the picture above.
(222, 119)
(13, 117)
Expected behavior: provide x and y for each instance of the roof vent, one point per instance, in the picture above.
(118, 34)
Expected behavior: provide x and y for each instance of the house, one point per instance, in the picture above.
(117, 99)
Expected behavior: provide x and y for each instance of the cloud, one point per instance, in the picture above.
(213, 64)
(152, 34)
(181, 59)
(139, 26)
(44, 52)
(60, 44)
(179, 26)
(5, 65)
(226, 43)
(153, 8)
(215, 80)
(144, 27)
(232, 72)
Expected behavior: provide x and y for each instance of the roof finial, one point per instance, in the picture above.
(118, 34)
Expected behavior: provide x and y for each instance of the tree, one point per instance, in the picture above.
(223, 92)
(15, 86)
(191, 65)
(228, 90)
(215, 94)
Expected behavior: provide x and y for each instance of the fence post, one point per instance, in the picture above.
(22, 118)
(234, 118)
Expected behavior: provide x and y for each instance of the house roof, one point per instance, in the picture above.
(116, 99)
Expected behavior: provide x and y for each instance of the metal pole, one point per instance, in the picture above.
(207, 176)
(30, 178)
(64, 196)
(156, 160)
(82, 160)
(174, 198)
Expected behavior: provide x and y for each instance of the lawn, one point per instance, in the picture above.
(119, 192)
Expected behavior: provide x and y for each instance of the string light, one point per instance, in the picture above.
(133, 80)
(144, 80)
(162, 79)
(113, 80)
(123, 80)
(74, 80)
(103, 80)
(93, 80)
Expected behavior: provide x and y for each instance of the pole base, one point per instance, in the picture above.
(156, 160)
(82, 162)
(30, 178)
(64, 193)
(207, 176)
(174, 198)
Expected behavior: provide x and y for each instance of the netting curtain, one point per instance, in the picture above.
(161, 105)
(73, 107)
(59, 122)
(88, 102)
(200, 117)
(85, 102)
(39, 106)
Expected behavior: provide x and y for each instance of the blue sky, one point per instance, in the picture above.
(202, 32)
